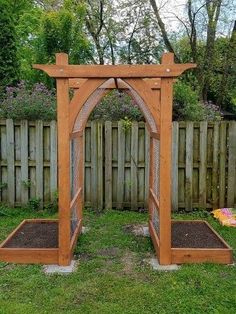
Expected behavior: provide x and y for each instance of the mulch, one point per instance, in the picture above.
(35, 235)
(194, 235)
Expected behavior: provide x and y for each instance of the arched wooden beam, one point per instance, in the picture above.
(94, 101)
(80, 98)
(97, 98)
(149, 97)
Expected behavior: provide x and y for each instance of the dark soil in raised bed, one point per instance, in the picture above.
(35, 235)
(194, 235)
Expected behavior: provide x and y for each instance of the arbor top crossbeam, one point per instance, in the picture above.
(116, 71)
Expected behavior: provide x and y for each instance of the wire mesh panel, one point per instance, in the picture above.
(76, 179)
(143, 107)
(156, 182)
(89, 105)
(156, 167)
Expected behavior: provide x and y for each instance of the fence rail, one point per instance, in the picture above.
(117, 166)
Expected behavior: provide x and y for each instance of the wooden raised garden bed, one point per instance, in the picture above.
(33, 241)
(197, 242)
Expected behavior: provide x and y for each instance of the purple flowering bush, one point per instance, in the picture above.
(21, 102)
(116, 106)
(212, 112)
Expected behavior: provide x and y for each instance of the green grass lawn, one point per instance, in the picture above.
(113, 277)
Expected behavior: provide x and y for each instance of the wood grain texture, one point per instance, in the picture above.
(39, 160)
(10, 162)
(189, 167)
(63, 127)
(231, 184)
(211, 162)
(24, 162)
(108, 164)
(175, 178)
(121, 165)
(203, 164)
(165, 171)
(188, 255)
(119, 71)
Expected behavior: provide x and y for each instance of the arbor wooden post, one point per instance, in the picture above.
(63, 164)
(165, 164)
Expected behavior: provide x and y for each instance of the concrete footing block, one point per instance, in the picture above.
(153, 262)
(64, 270)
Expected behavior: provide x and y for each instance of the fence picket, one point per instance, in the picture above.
(39, 159)
(175, 144)
(215, 193)
(231, 165)
(108, 164)
(222, 161)
(134, 165)
(121, 165)
(24, 162)
(94, 182)
(100, 165)
(53, 159)
(10, 162)
(203, 164)
(189, 166)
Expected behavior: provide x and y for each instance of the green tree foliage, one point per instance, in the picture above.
(9, 65)
(188, 107)
(126, 31)
(62, 31)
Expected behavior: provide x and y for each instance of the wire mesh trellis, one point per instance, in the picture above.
(156, 182)
(75, 179)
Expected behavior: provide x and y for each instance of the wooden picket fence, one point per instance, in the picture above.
(117, 164)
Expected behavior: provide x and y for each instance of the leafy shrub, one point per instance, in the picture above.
(188, 107)
(21, 102)
(52, 207)
(34, 204)
(186, 104)
(116, 106)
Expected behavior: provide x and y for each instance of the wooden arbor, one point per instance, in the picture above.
(151, 86)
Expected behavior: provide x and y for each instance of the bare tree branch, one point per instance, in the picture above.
(163, 29)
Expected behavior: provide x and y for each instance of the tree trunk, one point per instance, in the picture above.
(163, 29)
(213, 12)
